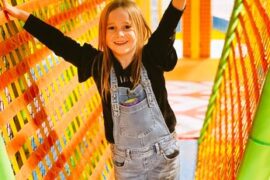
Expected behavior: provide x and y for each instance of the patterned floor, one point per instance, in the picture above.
(189, 101)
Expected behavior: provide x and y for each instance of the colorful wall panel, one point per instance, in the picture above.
(237, 91)
(51, 126)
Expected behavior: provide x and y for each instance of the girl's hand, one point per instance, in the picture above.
(14, 11)
(179, 4)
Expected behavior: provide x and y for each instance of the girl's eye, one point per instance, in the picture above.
(127, 26)
(110, 28)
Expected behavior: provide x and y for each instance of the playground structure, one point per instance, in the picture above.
(51, 126)
(234, 116)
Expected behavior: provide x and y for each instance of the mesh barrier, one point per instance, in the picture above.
(51, 125)
(236, 92)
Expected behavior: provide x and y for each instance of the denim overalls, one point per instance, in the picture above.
(144, 148)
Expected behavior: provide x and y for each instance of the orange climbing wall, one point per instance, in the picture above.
(205, 28)
(243, 67)
(197, 29)
(52, 126)
(187, 31)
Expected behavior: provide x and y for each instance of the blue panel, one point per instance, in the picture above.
(220, 24)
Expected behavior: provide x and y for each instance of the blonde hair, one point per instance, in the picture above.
(142, 31)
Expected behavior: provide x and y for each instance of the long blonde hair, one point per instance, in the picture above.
(142, 31)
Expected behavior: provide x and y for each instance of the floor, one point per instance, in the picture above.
(189, 87)
(188, 157)
(189, 101)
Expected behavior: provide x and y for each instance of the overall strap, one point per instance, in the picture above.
(147, 87)
(114, 94)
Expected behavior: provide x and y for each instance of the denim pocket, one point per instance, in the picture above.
(119, 164)
(171, 156)
(171, 152)
(118, 161)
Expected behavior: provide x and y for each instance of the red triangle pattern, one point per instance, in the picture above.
(189, 101)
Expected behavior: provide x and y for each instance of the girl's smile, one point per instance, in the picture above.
(138, 121)
(120, 43)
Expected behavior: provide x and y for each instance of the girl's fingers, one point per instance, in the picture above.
(5, 9)
(6, 15)
(4, 2)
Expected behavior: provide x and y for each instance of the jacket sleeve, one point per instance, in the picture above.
(60, 44)
(160, 44)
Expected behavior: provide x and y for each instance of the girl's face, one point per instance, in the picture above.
(120, 35)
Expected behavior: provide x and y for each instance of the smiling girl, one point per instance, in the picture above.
(128, 69)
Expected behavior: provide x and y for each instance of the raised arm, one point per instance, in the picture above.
(179, 4)
(160, 44)
(53, 38)
(15, 12)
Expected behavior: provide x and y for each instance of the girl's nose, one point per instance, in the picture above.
(120, 33)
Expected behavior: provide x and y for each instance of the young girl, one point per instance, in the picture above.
(128, 70)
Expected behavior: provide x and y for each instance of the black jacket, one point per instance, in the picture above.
(158, 56)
